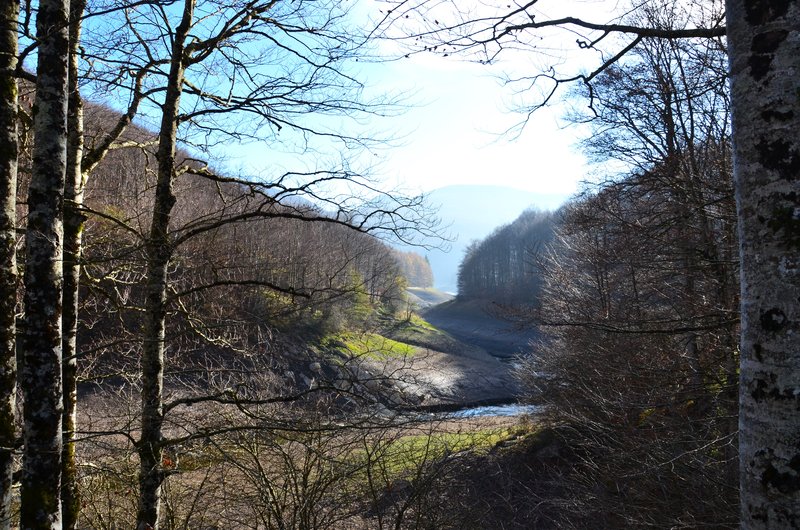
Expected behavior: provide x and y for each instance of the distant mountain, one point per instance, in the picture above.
(473, 212)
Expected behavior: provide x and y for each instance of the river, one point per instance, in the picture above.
(511, 409)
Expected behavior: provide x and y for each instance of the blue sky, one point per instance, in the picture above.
(451, 131)
(454, 134)
(457, 110)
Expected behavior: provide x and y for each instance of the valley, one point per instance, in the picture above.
(463, 359)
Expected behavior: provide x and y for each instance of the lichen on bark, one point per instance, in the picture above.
(159, 253)
(40, 344)
(73, 228)
(9, 12)
(764, 51)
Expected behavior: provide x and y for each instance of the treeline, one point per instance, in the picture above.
(503, 267)
(639, 302)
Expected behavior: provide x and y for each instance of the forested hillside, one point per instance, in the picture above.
(286, 262)
(169, 307)
(505, 267)
(471, 212)
(186, 347)
(263, 287)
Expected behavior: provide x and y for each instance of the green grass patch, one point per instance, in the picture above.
(419, 332)
(452, 442)
(411, 451)
(370, 345)
(416, 321)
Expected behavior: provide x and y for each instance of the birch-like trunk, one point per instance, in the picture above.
(159, 253)
(73, 228)
(764, 48)
(40, 373)
(9, 12)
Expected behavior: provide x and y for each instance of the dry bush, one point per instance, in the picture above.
(638, 363)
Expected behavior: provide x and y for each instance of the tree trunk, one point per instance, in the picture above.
(159, 252)
(73, 228)
(765, 85)
(8, 257)
(40, 373)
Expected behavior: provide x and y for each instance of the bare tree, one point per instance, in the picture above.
(74, 183)
(764, 57)
(246, 22)
(8, 257)
(640, 354)
(635, 366)
(81, 162)
(190, 98)
(40, 373)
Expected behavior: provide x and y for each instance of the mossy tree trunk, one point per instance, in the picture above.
(73, 228)
(40, 373)
(764, 40)
(159, 252)
(9, 12)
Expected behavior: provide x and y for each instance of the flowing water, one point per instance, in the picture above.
(511, 409)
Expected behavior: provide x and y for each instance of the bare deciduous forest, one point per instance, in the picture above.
(187, 347)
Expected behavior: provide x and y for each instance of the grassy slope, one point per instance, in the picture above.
(393, 336)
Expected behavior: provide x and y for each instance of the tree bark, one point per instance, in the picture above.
(73, 229)
(40, 373)
(8, 257)
(764, 53)
(159, 252)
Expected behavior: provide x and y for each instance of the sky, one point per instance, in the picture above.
(456, 114)
(457, 111)
(455, 133)
(452, 129)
